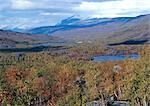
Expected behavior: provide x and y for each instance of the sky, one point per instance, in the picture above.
(27, 14)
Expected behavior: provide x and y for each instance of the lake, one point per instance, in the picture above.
(104, 58)
(49, 43)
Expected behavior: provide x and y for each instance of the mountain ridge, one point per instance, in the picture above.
(109, 30)
(74, 23)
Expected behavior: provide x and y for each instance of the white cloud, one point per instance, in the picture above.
(41, 4)
(22, 4)
(54, 14)
(45, 13)
(31, 13)
(113, 8)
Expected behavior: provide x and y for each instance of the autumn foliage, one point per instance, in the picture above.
(49, 80)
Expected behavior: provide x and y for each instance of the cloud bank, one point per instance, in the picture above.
(33, 13)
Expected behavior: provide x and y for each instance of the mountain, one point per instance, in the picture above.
(9, 39)
(74, 23)
(13, 29)
(99, 29)
(17, 30)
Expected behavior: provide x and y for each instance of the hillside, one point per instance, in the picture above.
(108, 29)
(9, 39)
(103, 30)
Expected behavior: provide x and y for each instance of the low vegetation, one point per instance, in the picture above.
(50, 78)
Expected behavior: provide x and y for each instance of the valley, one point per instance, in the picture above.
(77, 62)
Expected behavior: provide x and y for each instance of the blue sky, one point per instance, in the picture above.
(34, 13)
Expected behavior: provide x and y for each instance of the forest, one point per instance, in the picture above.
(68, 77)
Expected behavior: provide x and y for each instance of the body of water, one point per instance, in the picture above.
(49, 43)
(104, 58)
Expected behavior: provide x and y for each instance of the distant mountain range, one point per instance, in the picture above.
(76, 23)
(114, 29)
(109, 30)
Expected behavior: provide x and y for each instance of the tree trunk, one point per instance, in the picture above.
(119, 92)
(103, 100)
(138, 102)
(145, 101)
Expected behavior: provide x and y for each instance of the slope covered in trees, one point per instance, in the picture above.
(51, 79)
